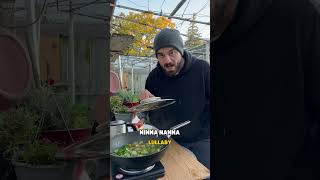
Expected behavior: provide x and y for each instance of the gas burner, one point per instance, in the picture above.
(151, 173)
(136, 172)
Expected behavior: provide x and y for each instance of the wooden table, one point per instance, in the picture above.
(179, 164)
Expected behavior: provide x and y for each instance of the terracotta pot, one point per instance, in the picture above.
(114, 83)
(62, 137)
(16, 70)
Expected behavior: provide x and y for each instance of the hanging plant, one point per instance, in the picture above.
(58, 112)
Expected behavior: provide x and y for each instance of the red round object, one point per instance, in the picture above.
(131, 104)
(51, 82)
(15, 70)
(62, 137)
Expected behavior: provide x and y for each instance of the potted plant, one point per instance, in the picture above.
(61, 121)
(119, 109)
(76, 128)
(130, 99)
(31, 158)
(37, 161)
(16, 127)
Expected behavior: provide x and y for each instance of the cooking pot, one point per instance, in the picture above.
(119, 127)
(141, 162)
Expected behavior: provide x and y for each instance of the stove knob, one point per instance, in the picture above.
(119, 176)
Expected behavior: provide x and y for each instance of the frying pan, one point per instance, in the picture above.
(142, 162)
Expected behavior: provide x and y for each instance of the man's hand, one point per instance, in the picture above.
(145, 94)
(137, 121)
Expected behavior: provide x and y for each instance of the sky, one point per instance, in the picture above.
(167, 6)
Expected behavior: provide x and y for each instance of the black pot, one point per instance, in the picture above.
(135, 163)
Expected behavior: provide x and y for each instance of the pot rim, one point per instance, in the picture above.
(51, 166)
(65, 130)
(123, 113)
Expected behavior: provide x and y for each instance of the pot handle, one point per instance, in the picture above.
(179, 126)
(132, 126)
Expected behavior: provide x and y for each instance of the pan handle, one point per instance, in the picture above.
(180, 125)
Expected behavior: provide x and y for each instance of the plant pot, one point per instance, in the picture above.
(62, 137)
(127, 117)
(130, 104)
(25, 171)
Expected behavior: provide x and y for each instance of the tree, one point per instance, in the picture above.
(193, 35)
(144, 27)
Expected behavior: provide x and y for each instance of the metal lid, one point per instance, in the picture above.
(117, 122)
(152, 105)
(95, 147)
(150, 99)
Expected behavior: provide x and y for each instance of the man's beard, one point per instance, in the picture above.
(177, 69)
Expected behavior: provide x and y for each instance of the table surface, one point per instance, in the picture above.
(179, 163)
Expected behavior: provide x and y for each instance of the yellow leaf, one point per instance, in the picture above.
(143, 26)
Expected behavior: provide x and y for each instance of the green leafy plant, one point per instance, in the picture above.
(41, 111)
(79, 116)
(16, 127)
(57, 111)
(18, 131)
(116, 103)
(41, 102)
(128, 96)
(39, 153)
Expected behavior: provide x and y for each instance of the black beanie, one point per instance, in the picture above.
(168, 38)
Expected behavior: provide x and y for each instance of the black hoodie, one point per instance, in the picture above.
(190, 88)
(267, 92)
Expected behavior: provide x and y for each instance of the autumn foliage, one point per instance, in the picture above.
(144, 27)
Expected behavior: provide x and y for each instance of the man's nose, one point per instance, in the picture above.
(166, 59)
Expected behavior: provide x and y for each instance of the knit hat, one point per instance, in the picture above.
(168, 38)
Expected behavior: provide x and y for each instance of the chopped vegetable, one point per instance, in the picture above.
(138, 149)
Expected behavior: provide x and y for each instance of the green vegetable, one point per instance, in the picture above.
(138, 149)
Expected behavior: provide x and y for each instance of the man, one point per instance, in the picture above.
(182, 77)
(266, 89)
